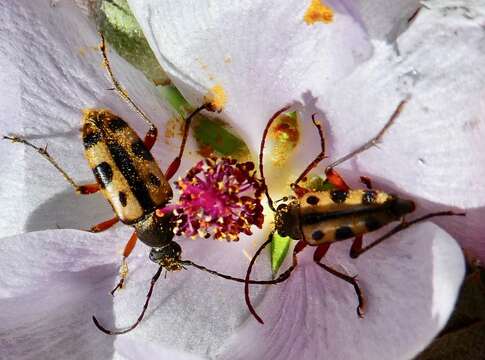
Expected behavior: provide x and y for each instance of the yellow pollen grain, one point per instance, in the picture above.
(217, 97)
(317, 11)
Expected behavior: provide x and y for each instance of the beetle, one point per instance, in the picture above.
(134, 185)
(320, 218)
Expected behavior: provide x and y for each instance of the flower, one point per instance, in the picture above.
(264, 56)
(353, 79)
(219, 198)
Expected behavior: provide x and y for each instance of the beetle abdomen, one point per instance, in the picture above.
(330, 216)
(129, 177)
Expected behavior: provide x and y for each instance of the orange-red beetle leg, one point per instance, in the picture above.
(105, 225)
(356, 247)
(88, 189)
(334, 178)
(366, 181)
(130, 245)
(150, 137)
(317, 257)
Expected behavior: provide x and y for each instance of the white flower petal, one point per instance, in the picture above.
(434, 150)
(51, 283)
(135, 350)
(189, 310)
(411, 283)
(386, 19)
(68, 275)
(52, 68)
(262, 53)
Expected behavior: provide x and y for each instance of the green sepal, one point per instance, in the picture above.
(175, 99)
(122, 31)
(209, 134)
(213, 134)
(279, 250)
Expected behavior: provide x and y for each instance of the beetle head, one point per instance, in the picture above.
(287, 220)
(167, 256)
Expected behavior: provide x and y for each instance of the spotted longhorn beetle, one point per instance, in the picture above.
(320, 218)
(132, 182)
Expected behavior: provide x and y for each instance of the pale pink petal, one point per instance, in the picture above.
(411, 283)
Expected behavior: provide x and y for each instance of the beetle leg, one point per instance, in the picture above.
(372, 142)
(173, 167)
(403, 225)
(366, 181)
(80, 189)
(130, 245)
(105, 225)
(318, 158)
(356, 246)
(140, 317)
(317, 257)
(334, 178)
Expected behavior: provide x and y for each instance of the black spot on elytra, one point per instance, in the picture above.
(139, 149)
(338, 196)
(343, 232)
(103, 174)
(369, 197)
(154, 180)
(312, 200)
(128, 170)
(372, 223)
(122, 197)
(91, 138)
(317, 235)
(117, 124)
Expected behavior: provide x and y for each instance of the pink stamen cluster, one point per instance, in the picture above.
(219, 198)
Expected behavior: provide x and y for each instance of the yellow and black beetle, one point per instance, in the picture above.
(134, 185)
(320, 218)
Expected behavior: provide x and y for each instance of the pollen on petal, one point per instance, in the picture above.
(317, 11)
(217, 97)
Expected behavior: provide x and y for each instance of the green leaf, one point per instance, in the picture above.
(279, 250)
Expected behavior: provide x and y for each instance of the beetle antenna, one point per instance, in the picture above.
(248, 273)
(261, 149)
(128, 329)
(285, 275)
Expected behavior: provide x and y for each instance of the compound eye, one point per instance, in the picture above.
(282, 233)
(281, 207)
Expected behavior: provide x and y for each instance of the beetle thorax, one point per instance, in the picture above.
(155, 231)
